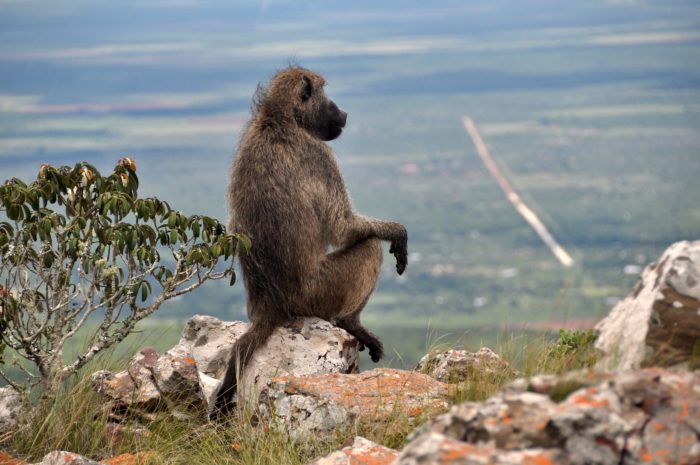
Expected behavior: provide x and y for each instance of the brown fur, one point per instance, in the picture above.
(288, 195)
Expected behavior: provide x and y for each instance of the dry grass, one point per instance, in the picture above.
(77, 422)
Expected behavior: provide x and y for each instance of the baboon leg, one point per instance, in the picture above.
(366, 337)
(347, 278)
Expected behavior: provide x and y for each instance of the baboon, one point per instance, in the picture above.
(312, 255)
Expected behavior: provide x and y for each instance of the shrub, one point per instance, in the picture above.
(77, 247)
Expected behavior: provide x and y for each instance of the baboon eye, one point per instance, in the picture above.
(306, 91)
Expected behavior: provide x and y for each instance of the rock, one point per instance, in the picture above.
(362, 451)
(117, 386)
(209, 341)
(152, 382)
(321, 403)
(508, 421)
(10, 407)
(639, 415)
(304, 346)
(176, 378)
(140, 369)
(438, 449)
(658, 324)
(558, 387)
(66, 458)
(645, 416)
(132, 388)
(209, 387)
(456, 366)
(185, 378)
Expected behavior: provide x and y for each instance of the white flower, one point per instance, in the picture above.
(71, 193)
(110, 272)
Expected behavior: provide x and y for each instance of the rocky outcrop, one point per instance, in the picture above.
(647, 416)
(456, 366)
(440, 449)
(658, 324)
(304, 346)
(152, 382)
(176, 377)
(184, 379)
(10, 407)
(362, 451)
(133, 387)
(320, 404)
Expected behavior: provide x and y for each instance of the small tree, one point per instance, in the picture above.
(110, 259)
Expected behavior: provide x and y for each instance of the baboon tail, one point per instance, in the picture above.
(241, 353)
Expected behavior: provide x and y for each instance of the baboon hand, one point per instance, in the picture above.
(399, 248)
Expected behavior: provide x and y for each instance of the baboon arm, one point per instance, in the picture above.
(359, 227)
(356, 227)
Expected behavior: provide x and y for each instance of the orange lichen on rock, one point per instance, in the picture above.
(659, 427)
(683, 410)
(361, 452)
(377, 455)
(452, 450)
(587, 400)
(376, 394)
(129, 459)
(7, 459)
(537, 459)
(506, 419)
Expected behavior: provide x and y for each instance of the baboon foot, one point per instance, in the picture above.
(376, 350)
(364, 337)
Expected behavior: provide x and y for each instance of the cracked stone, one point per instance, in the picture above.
(634, 417)
(455, 366)
(658, 324)
(321, 403)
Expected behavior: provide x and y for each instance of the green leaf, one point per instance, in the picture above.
(131, 239)
(244, 243)
(233, 278)
(145, 290)
(47, 225)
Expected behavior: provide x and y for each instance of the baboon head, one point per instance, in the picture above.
(297, 94)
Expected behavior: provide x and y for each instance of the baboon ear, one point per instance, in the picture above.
(307, 89)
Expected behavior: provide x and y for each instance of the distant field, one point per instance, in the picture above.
(592, 110)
